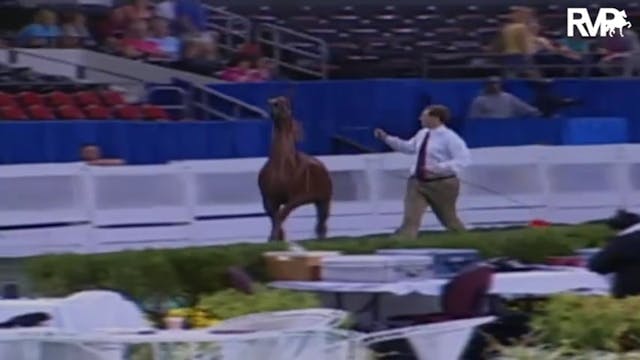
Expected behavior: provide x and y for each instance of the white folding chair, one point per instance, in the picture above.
(284, 320)
(438, 341)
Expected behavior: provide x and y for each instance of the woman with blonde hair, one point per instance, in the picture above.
(518, 42)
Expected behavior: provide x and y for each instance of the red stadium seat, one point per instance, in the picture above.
(12, 113)
(29, 98)
(58, 98)
(40, 112)
(7, 100)
(128, 112)
(97, 112)
(86, 98)
(154, 112)
(112, 98)
(69, 112)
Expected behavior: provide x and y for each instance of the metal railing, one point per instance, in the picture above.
(201, 96)
(233, 30)
(434, 62)
(181, 94)
(283, 41)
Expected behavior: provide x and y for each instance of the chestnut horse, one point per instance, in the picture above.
(290, 178)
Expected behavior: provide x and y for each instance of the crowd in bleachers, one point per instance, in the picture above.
(368, 40)
(170, 33)
(528, 49)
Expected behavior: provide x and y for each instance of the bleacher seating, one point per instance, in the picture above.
(403, 39)
(25, 94)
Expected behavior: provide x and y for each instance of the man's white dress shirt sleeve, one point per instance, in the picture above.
(460, 156)
(404, 146)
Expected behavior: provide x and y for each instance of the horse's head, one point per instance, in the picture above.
(282, 116)
(280, 109)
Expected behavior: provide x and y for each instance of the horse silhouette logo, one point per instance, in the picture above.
(606, 23)
(619, 22)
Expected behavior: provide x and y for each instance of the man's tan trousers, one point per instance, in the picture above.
(440, 195)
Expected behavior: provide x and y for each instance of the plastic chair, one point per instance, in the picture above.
(283, 320)
(12, 113)
(112, 98)
(128, 112)
(154, 112)
(58, 99)
(440, 341)
(7, 100)
(29, 98)
(463, 297)
(40, 112)
(69, 112)
(97, 112)
(86, 98)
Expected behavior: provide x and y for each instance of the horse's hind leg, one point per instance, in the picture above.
(322, 209)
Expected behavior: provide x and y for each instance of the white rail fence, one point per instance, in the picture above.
(72, 207)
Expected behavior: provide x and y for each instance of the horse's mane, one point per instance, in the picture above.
(287, 132)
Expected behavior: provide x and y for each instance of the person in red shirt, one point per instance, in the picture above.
(136, 43)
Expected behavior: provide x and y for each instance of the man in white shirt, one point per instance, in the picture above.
(441, 156)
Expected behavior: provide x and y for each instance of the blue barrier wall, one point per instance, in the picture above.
(354, 108)
(609, 113)
(137, 142)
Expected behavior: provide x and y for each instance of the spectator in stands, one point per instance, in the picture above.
(92, 155)
(75, 32)
(266, 69)
(239, 70)
(190, 16)
(44, 30)
(200, 57)
(136, 43)
(243, 69)
(621, 54)
(496, 103)
(166, 10)
(250, 50)
(138, 10)
(517, 41)
(169, 45)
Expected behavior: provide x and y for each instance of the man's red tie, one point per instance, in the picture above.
(420, 171)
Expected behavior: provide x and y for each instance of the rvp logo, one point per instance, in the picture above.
(607, 22)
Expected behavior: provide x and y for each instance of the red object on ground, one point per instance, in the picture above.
(539, 223)
(575, 261)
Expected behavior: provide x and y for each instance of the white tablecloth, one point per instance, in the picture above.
(12, 308)
(513, 283)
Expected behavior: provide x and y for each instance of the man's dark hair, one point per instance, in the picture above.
(622, 220)
(441, 112)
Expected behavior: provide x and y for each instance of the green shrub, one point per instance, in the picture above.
(590, 323)
(157, 275)
(230, 303)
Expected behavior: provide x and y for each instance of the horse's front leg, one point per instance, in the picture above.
(277, 233)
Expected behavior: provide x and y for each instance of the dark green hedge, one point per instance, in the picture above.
(194, 272)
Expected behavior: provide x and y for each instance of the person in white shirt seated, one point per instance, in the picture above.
(441, 156)
(495, 103)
